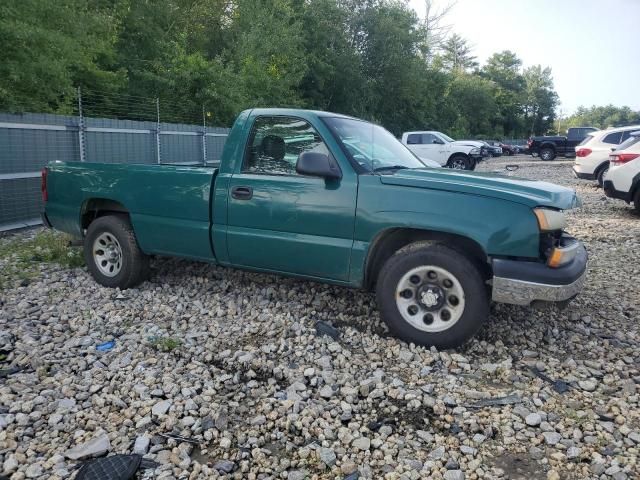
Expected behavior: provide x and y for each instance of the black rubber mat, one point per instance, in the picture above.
(115, 467)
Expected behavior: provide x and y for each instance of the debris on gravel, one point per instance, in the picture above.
(217, 373)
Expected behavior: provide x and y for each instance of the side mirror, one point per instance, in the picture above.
(437, 142)
(318, 164)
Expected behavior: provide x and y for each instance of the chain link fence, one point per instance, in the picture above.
(29, 141)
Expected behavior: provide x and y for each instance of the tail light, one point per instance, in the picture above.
(620, 158)
(583, 152)
(43, 184)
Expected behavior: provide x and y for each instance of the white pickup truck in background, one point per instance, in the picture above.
(436, 146)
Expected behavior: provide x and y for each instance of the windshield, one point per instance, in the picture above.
(372, 146)
(447, 138)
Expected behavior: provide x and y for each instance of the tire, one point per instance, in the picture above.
(112, 253)
(466, 284)
(547, 154)
(601, 173)
(459, 161)
(636, 201)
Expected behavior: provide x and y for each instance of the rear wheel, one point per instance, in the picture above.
(432, 296)
(547, 154)
(112, 253)
(460, 162)
(636, 201)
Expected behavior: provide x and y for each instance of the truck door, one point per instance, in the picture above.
(284, 222)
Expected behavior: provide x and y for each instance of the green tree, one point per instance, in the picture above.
(456, 55)
(504, 69)
(49, 48)
(603, 116)
(475, 107)
(540, 100)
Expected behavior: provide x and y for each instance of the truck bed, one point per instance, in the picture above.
(169, 205)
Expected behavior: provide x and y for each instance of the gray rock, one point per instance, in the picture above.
(141, 445)
(536, 453)
(297, 475)
(437, 453)
(328, 457)
(224, 466)
(361, 443)
(161, 407)
(573, 452)
(10, 464)
(259, 420)
(468, 450)
(533, 419)
(552, 438)
(588, 385)
(452, 464)
(454, 475)
(34, 470)
(326, 391)
(93, 448)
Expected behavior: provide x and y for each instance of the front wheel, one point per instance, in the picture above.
(460, 162)
(547, 154)
(112, 253)
(636, 201)
(432, 296)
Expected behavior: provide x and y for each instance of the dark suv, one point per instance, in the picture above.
(549, 147)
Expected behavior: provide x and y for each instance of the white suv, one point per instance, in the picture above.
(462, 154)
(623, 178)
(592, 154)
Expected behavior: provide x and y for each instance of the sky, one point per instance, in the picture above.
(592, 46)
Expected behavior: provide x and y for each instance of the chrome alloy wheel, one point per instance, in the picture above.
(459, 163)
(107, 254)
(430, 298)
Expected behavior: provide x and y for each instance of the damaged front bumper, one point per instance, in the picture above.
(523, 283)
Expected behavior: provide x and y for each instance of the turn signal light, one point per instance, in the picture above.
(555, 259)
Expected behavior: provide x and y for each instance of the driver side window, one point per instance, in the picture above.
(276, 142)
(429, 138)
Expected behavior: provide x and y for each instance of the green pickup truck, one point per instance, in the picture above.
(334, 199)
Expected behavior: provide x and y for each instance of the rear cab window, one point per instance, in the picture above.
(414, 139)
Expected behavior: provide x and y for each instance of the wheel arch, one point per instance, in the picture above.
(389, 241)
(550, 145)
(93, 208)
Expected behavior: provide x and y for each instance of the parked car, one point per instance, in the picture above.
(592, 154)
(349, 205)
(461, 155)
(623, 178)
(549, 147)
(509, 150)
(495, 148)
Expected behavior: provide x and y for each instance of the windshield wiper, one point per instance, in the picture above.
(389, 167)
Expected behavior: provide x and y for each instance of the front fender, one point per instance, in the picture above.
(500, 227)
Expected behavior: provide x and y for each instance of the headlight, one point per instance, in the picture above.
(550, 220)
(474, 151)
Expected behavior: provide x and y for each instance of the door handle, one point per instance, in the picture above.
(242, 193)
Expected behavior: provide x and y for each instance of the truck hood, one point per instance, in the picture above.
(532, 193)
(468, 143)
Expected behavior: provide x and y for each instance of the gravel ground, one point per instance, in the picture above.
(232, 362)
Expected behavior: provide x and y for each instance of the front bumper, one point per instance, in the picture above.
(610, 191)
(522, 283)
